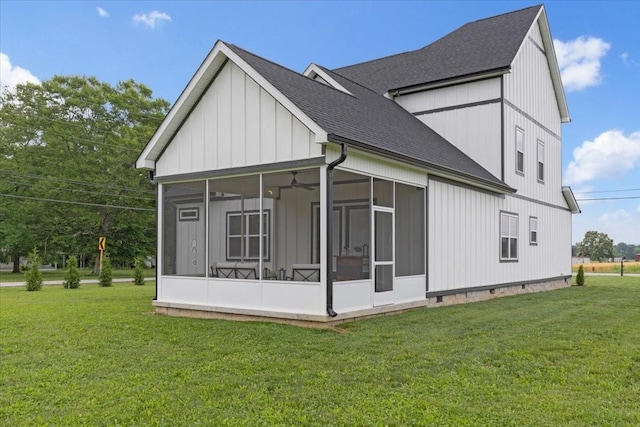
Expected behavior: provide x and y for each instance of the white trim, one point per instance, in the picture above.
(313, 70)
(571, 200)
(454, 81)
(552, 60)
(193, 92)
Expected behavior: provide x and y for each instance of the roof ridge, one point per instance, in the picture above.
(288, 69)
(505, 13)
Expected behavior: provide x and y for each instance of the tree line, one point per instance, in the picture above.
(67, 152)
(599, 247)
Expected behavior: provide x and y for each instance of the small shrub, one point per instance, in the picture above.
(71, 274)
(138, 272)
(580, 276)
(106, 274)
(33, 275)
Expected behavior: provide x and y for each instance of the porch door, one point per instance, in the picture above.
(382, 256)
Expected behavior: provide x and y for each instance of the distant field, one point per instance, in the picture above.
(608, 267)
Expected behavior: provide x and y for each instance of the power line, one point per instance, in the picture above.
(608, 191)
(92, 192)
(77, 138)
(71, 181)
(67, 123)
(611, 198)
(40, 199)
(85, 102)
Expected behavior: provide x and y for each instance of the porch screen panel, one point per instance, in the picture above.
(351, 258)
(410, 230)
(234, 227)
(294, 198)
(183, 229)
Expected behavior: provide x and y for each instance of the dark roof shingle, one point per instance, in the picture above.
(477, 47)
(368, 119)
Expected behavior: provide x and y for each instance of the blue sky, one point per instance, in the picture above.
(161, 44)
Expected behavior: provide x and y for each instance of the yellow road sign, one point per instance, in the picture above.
(102, 243)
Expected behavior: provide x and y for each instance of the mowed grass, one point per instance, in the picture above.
(98, 356)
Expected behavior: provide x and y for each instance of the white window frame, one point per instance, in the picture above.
(519, 150)
(533, 230)
(511, 233)
(247, 236)
(540, 163)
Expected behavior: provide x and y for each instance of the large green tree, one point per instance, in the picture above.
(67, 150)
(596, 245)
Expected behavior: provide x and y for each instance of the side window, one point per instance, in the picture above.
(540, 161)
(519, 150)
(508, 236)
(533, 230)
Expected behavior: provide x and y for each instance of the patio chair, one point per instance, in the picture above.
(305, 272)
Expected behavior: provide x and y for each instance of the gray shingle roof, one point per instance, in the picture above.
(477, 47)
(368, 119)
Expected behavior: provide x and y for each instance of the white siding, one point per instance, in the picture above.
(527, 185)
(530, 104)
(529, 86)
(474, 130)
(464, 239)
(480, 135)
(451, 96)
(236, 123)
(365, 163)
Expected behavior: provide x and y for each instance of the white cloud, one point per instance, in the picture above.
(638, 209)
(609, 155)
(102, 12)
(151, 19)
(579, 61)
(11, 75)
(616, 217)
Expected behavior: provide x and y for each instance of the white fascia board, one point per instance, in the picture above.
(181, 108)
(571, 200)
(554, 68)
(313, 70)
(321, 134)
(393, 93)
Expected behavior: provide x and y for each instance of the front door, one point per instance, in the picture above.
(382, 256)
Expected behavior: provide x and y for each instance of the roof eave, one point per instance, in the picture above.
(432, 168)
(195, 89)
(571, 199)
(554, 68)
(180, 109)
(481, 75)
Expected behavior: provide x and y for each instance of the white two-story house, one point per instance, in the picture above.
(424, 178)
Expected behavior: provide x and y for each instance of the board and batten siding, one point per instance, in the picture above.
(530, 104)
(464, 239)
(474, 104)
(370, 164)
(529, 87)
(236, 123)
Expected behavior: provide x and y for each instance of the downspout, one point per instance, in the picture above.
(332, 165)
(151, 177)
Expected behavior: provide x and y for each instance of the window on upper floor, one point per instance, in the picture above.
(533, 230)
(508, 236)
(519, 150)
(540, 161)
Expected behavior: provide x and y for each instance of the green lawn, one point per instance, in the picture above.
(7, 276)
(98, 356)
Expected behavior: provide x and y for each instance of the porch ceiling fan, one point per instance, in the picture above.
(296, 184)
